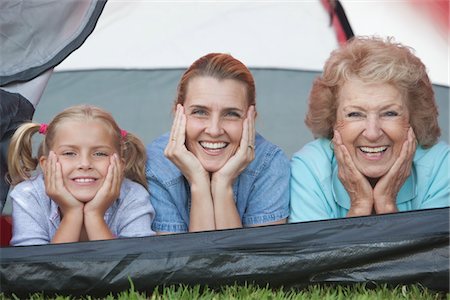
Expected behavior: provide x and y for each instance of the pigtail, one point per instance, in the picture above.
(20, 154)
(135, 158)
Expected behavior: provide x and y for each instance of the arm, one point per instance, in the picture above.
(71, 209)
(438, 193)
(136, 212)
(202, 208)
(355, 183)
(225, 212)
(269, 197)
(311, 183)
(386, 190)
(94, 210)
(168, 219)
(30, 215)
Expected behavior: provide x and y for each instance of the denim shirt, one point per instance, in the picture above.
(261, 191)
(317, 193)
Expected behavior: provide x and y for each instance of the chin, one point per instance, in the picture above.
(376, 174)
(84, 198)
(212, 167)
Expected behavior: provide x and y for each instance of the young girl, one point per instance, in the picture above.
(81, 194)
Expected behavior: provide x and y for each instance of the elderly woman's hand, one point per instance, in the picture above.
(177, 152)
(243, 156)
(357, 186)
(387, 188)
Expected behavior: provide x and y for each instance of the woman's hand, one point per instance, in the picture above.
(55, 188)
(355, 183)
(225, 211)
(388, 186)
(177, 152)
(243, 156)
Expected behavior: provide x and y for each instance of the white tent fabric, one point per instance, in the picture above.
(411, 22)
(154, 34)
(281, 34)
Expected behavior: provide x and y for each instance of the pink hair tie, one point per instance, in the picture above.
(43, 128)
(123, 133)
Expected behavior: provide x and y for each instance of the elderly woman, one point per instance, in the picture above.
(375, 117)
(213, 171)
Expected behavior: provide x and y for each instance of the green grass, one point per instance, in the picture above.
(251, 292)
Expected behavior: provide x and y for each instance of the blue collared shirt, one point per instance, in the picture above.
(317, 193)
(261, 191)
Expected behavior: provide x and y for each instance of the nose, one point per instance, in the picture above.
(373, 130)
(85, 162)
(214, 126)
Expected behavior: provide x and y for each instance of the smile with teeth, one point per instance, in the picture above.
(213, 146)
(84, 180)
(373, 150)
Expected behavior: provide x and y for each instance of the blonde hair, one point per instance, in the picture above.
(372, 59)
(21, 162)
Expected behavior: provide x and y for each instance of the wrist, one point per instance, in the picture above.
(386, 206)
(363, 208)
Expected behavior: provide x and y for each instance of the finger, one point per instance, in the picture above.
(245, 145)
(116, 174)
(52, 171)
(175, 124)
(337, 142)
(345, 161)
(413, 142)
(181, 136)
(251, 125)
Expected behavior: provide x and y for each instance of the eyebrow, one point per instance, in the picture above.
(96, 147)
(350, 107)
(224, 109)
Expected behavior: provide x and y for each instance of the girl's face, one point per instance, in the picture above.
(373, 121)
(83, 149)
(215, 111)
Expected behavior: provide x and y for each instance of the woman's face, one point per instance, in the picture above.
(215, 111)
(373, 121)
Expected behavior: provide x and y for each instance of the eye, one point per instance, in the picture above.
(199, 112)
(69, 153)
(233, 114)
(354, 114)
(390, 114)
(100, 154)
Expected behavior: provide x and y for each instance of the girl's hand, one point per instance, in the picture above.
(357, 186)
(387, 188)
(177, 152)
(109, 191)
(243, 156)
(54, 186)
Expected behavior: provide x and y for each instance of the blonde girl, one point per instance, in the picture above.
(91, 184)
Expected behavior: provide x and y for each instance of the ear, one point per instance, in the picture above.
(42, 162)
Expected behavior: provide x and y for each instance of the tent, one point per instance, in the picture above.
(402, 248)
(130, 57)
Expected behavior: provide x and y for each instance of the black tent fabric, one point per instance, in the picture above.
(402, 248)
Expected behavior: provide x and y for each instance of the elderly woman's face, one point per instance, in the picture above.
(373, 120)
(215, 111)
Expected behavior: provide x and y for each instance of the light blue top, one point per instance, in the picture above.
(36, 217)
(261, 191)
(317, 193)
